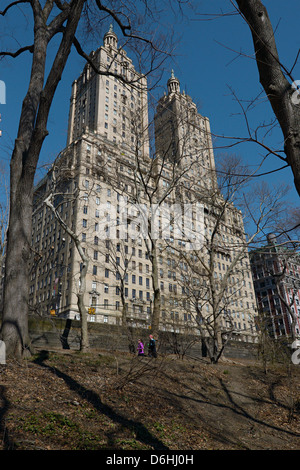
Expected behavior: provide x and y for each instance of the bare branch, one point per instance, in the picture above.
(18, 52)
(3, 12)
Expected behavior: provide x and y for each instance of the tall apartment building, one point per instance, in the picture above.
(106, 180)
(276, 275)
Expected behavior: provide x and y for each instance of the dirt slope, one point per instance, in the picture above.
(70, 401)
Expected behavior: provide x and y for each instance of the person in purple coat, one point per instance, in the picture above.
(140, 348)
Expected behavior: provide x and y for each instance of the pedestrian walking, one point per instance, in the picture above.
(140, 348)
(152, 347)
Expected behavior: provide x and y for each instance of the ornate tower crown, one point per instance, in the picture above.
(173, 84)
(110, 38)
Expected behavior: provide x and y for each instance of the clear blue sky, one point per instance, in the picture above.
(204, 62)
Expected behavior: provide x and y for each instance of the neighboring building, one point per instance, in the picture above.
(105, 168)
(276, 275)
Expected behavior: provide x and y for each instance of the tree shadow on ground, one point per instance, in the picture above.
(235, 409)
(141, 432)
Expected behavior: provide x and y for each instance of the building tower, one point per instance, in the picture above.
(219, 278)
(182, 134)
(108, 125)
(105, 105)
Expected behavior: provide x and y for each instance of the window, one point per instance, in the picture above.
(94, 270)
(106, 273)
(106, 288)
(84, 223)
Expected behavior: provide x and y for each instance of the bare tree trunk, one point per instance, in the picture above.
(84, 340)
(15, 304)
(272, 75)
(22, 167)
(155, 314)
(31, 134)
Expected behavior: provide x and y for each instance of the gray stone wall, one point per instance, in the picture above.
(56, 333)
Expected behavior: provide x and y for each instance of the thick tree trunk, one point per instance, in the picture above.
(279, 90)
(14, 329)
(31, 134)
(15, 303)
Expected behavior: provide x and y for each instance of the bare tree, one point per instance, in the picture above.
(31, 134)
(50, 202)
(4, 211)
(216, 280)
(155, 183)
(279, 86)
(278, 83)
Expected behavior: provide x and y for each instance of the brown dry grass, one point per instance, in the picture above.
(101, 400)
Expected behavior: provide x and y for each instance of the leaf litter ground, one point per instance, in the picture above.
(66, 400)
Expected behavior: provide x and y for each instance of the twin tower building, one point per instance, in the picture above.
(139, 191)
